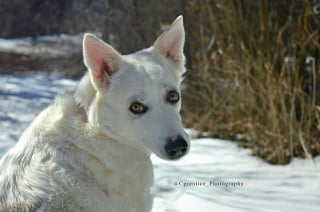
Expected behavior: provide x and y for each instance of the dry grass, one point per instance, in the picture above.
(248, 77)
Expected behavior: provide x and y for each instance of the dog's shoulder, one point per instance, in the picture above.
(28, 167)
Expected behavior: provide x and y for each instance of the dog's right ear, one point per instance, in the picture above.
(100, 58)
(170, 43)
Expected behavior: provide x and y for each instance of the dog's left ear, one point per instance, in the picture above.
(170, 43)
(100, 58)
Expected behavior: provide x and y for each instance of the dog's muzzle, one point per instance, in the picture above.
(176, 148)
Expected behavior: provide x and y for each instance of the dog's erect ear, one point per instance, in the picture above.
(170, 43)
(100, 58)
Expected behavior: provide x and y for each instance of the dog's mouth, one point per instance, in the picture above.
(173, 156)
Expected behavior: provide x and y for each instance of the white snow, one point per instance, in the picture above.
(6, 44)
(294, 187)
(11, 43)
(215, 176)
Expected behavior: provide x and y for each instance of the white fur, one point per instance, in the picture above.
(87, 151)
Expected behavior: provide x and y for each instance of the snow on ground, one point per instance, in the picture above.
(7, 44)
(254, 185)
(21, 99)
(216, 175)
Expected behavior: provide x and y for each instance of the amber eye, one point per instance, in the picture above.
(138, 108)
(173, 97)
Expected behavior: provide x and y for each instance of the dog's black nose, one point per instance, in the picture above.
(176, 148)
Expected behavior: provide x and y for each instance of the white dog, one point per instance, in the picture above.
(91, 151)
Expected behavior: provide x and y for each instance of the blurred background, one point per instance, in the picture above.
(253, 66)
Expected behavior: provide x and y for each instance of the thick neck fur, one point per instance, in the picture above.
(85, 92)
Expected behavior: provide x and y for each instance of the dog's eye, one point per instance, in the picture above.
(173, 97)
(138, 108)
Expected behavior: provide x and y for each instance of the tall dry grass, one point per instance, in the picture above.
(254, 74)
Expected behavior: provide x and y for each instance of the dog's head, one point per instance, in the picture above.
(137, 97)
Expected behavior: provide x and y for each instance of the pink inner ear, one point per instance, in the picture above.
(102, 70)
(97, 63)
(171, 48)
(176, 58)
(100, 66)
